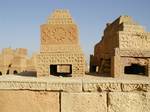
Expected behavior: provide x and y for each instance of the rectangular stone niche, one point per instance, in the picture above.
(61, 69)
(136, 69)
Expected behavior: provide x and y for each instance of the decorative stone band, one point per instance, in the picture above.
(45, 85)
(116, 86)
(77, 85)
(100, 86)
(60, 48)
(134, 53)
(129, 87)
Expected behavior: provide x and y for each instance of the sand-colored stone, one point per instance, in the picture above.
(74, 94)
(129, 102)
(60, 47)
(83, 102)
(16, 61)
(29, 101)
(76, 84)
(124, 49)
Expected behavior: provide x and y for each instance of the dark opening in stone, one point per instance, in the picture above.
(135, 69)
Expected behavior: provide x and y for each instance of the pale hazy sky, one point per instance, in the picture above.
(20, 20)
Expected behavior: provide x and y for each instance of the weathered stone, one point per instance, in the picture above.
(29, 101)
(128, 102)
(83, 102)
(68, 86)
(23, 85)
(128, 87)
(101, 85)
(124, 49)
(52, 84)
(60, 52)
(16, 61)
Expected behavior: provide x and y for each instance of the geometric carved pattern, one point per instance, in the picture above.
(58, 34)
(59, 45)
(57, 48)
(77, 61)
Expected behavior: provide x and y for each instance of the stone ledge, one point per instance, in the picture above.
(57, 84)
(101, 86)
(49, 86)
(116, 86)
(84, 84)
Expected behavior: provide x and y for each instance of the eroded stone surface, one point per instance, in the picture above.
(83, 102)
(78, 84)
(14, 61)
(128, 102)
(124, 49)
(99, 86)
(129, 87)
(50, 84)
(29, 101)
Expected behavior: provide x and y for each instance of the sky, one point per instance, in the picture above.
(20, 20)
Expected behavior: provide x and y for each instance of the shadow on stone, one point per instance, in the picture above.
(96, 74)
(28, 73)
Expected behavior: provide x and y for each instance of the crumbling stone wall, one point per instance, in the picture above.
(16, 61)
(13, 61)
(125, 45)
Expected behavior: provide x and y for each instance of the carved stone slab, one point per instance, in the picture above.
(129, 87)
(101, 86)
(48, 85)
(84, 84)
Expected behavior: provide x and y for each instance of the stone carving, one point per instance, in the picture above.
(65, 87)
(126, 44)
(101, 86)
(23, 85)
(75, 85)
(53, 85)
(59, 33)
(60, 47)
(135, 87)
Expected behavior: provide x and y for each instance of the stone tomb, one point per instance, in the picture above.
(60, 52)
(124, 49)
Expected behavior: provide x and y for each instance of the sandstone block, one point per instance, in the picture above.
(29, 101)
(129, 102)
(83, 102)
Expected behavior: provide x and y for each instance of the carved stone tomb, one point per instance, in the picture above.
(60, 52)
(124, 49)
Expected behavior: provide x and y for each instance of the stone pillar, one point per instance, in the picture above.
(116, 66)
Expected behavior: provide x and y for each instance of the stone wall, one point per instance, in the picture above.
(74, 95)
